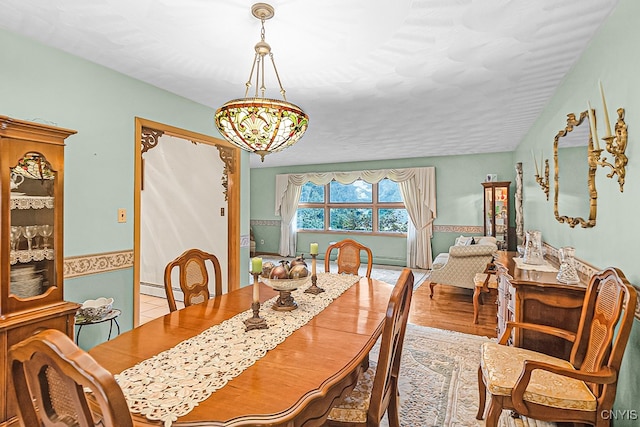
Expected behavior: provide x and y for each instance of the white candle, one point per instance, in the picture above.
(592, 124)
(607, 125)
(313, 249)
(541, 159)
(535, 162)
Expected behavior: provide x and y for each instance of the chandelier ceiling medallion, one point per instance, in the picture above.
(257, 124)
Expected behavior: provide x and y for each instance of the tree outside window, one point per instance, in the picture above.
(356, 207)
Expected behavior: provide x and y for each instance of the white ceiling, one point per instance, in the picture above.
(378, 79)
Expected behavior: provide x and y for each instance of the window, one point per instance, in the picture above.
(360, 206)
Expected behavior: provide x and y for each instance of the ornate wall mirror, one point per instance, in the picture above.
(574, 174)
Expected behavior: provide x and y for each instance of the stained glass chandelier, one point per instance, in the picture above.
(257, 124)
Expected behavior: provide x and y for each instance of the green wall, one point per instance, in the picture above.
(611, 57)
(46, 85)
(458, 188)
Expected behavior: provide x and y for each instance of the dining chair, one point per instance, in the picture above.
(193, 277)
(52, 378)
(376, 391)
(348, 259)
(581, 389)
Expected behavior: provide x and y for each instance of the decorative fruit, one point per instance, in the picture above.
(298, 271)
(266, 268)
(298, 261)
(280, 271)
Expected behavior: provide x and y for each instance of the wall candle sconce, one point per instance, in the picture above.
(543, 182)
(615, 144)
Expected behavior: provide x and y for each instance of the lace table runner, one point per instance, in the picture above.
(170, 384)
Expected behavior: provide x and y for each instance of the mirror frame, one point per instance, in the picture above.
(591, 178)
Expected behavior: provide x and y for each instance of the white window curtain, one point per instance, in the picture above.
(418, 189)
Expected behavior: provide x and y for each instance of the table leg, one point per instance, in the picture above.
(78, 334)
(476, 297)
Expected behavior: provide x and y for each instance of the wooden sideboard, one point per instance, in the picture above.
(536, 297)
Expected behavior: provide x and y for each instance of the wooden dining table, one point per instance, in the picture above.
(294, 384)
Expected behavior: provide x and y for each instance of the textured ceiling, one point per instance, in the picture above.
(379, 79)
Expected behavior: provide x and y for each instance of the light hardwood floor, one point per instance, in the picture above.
(451, 308)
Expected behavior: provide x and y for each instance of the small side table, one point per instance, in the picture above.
(483, 283)
(112, 318)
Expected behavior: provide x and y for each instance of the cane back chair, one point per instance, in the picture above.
(194, 278)
(348, 259)
(580, 390)
(377, 389)
(50, 373)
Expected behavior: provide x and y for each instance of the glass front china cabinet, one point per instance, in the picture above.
(496, 212)
(31, 252)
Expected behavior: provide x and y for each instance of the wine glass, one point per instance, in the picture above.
(30, 231)
(16, 232)
(45, 231)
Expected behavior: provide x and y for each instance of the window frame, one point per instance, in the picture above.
(374, 205)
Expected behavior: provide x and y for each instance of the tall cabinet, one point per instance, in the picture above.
(496, 212)
(31, 235)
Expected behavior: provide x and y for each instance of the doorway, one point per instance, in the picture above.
(186, 195)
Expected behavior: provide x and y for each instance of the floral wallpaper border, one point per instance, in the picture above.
(97, 263)
(265, 222)
(468, 229)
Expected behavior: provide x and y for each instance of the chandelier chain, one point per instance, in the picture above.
(260, 73)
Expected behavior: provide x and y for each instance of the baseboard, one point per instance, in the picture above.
(156, 290)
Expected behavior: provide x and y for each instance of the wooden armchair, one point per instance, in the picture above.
(348, 257)
(377, 389)
(580, 390)
(50, 373)
(194, 279)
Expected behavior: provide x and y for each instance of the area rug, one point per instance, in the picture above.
(439, 381)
